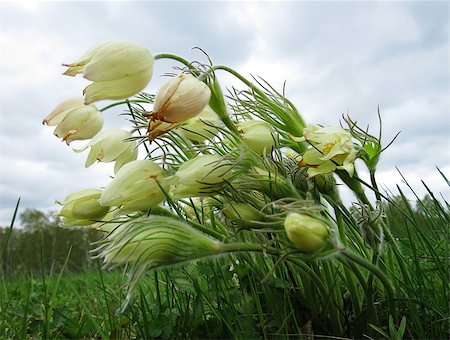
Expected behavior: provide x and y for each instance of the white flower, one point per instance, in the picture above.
(201, 176)
(257, 135)
(74, 120)
(203, 126)
(109, 146)
(118, 69)
(135, 187)
(82, 208)
(179, 99)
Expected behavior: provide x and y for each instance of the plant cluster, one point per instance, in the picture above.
(241, 175)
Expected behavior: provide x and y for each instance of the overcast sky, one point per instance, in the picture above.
(336, 57)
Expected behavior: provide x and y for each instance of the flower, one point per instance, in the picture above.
(157, 241)
(82, 208)
(111, 145)
(308, 234)
(201, 176)
(179, 99)
(203, 126)
(257, 135)
(74, 120)
(332, 148)
(118, 69)
(135, 187)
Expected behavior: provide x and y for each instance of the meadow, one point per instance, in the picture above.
(247, 299)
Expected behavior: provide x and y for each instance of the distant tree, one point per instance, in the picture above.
(43, 245)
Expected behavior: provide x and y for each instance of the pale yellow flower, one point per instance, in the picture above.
(118, 70)
(331, 148)
(179, 99)
(74, 120)
(82, 208)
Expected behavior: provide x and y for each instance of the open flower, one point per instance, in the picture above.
(257, 135)
(135, 187)
(82, 208)
(332, 148)
(308, 234)
(179, 99)
(74, 120)
(118, 69)
(109, 146)
(201, 176)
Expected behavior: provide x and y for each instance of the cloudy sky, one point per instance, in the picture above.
(336, 57)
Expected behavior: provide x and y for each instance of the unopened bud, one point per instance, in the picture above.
(308, 234)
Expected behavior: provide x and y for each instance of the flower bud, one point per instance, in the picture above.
(308, 234)
(82, 208)
(179, 99)
(201, 176)
(242, 214)
(74, 120)
(118, 69)
(257, 135)
(111, 145)
(332, 148)
(135, 187)
(157, 241)
(203, 126)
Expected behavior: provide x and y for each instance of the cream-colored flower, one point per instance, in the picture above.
(179, 99)
(331, 148)
(111, 146)
(82, 208)
(74, 120)
(257, 135)
(201, 176)
(135, 187)
(118, 69)
(203, 126)
(308, 234)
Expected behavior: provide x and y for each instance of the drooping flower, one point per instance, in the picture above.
(179, 99)
(74, 120)
(257, 135)
(135, 187)
(118, 70)
(109, 146)
(201, 176)
(308, 234)
(203, 126)
(82, 208)
(331, 148)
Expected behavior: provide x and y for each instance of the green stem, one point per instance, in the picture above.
(126, 101)
(183, 61)
(390, 295)
(375, 186)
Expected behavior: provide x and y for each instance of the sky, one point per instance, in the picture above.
(336, 57)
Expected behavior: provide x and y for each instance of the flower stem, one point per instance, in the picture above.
(126, 101)
(183, 61)
(390, 295)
